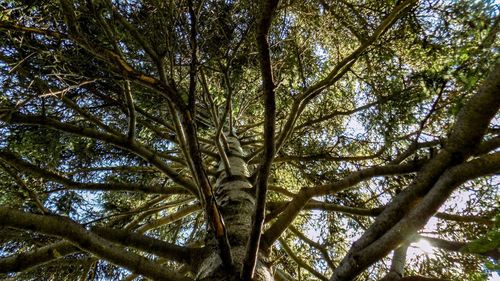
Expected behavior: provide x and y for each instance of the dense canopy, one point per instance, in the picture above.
(249, 140)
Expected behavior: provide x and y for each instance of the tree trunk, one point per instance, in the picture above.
(236, 200)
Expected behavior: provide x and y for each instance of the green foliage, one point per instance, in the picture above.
(406, 87)
(490, 241)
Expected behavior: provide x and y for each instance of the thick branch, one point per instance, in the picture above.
(266, 15)
(470, 126)
(214, 216)
(148, 244)
(325, 206)
(418, 216)
(27, 260)
(300, 200)
(84, 239)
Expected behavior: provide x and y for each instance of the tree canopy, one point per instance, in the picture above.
(249, 140)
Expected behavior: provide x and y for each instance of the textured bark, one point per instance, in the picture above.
(235, 196)
(25, 261)
(411, 209)
(88, 241)
(397, 265)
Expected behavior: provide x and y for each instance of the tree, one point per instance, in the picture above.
(233, 140)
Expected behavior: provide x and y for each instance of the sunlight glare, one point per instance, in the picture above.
(422, 247)
(425, 246)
